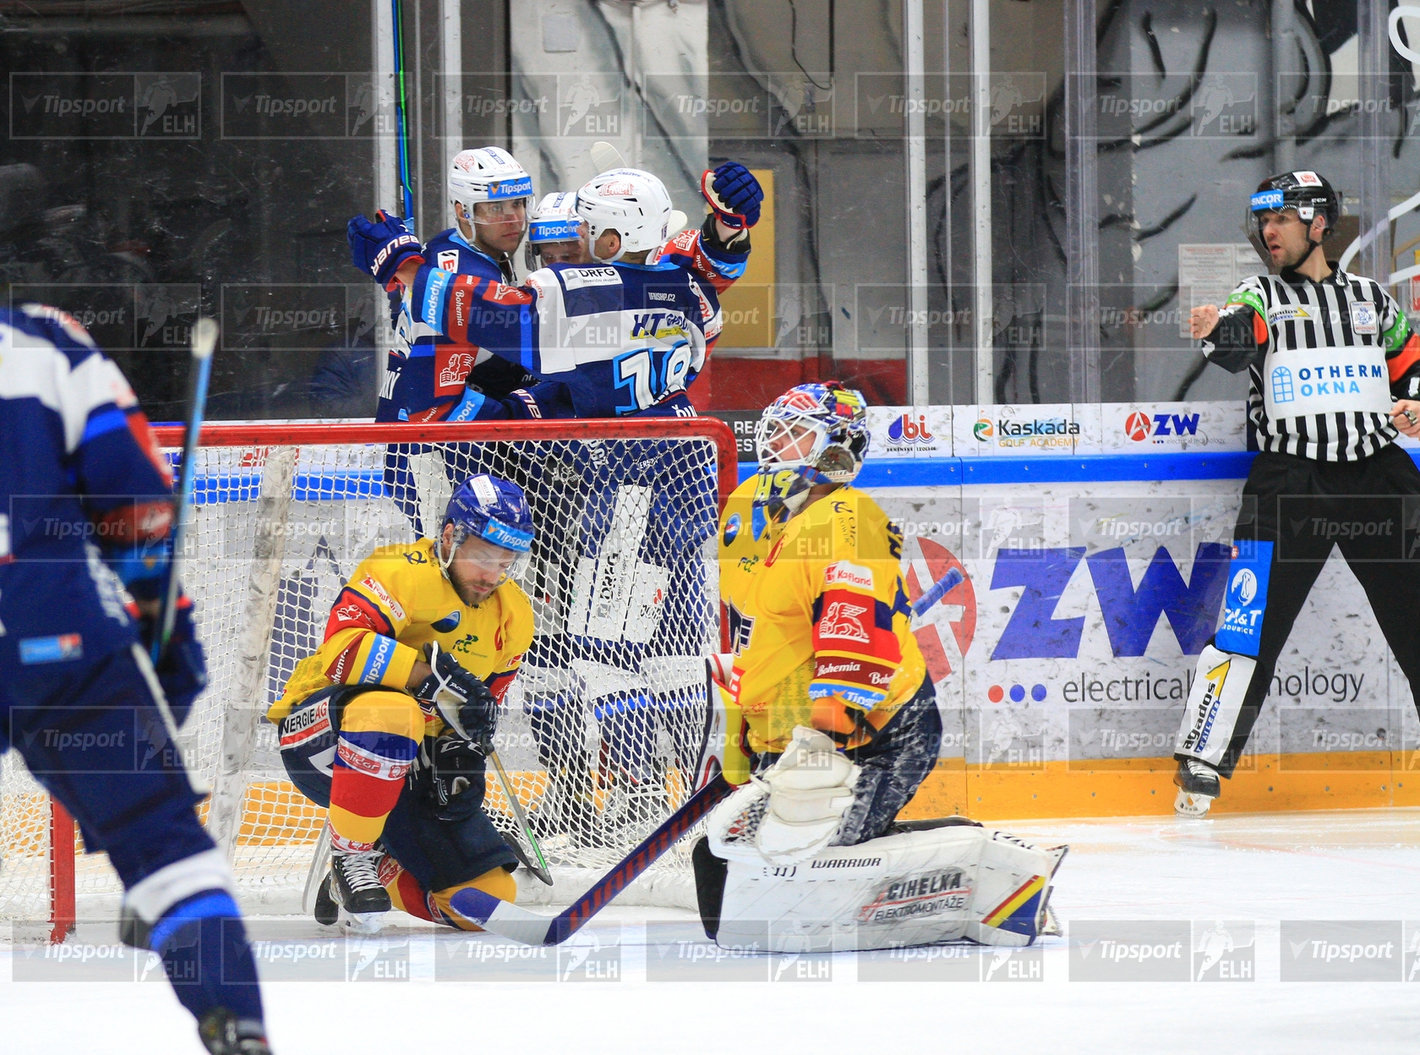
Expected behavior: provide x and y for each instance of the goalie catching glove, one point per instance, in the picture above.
(461, 698)
(380, 246)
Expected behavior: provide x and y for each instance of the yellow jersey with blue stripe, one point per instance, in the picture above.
(816, 608)
(397, 602)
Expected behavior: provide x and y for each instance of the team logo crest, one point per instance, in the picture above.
(732, 528)
(1363, 317)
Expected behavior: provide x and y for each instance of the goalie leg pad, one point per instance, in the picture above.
(911, 888)
(1214, 703)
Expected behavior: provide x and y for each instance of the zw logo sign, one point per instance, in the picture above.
(1130, 613)
(1140, 426)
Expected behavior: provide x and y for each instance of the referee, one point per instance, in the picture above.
(1335, 374)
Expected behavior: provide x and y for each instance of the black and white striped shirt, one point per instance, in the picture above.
(1326, 360)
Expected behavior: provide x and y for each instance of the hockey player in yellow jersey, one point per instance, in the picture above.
(384, 724)
(810, 573)
(833, 722)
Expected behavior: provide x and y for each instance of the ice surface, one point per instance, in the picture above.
(1234, 910)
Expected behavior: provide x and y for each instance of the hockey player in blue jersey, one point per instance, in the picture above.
(426, 374)
(625, 336)
(82, 485)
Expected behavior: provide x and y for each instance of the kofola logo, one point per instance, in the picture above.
(1140, 426)
(906, 429)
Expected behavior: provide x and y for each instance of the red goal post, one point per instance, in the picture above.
(597, 728)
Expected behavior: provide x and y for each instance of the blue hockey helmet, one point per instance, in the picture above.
(491, 509)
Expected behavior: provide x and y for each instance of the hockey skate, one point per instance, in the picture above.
(222, 1033)
(354, 885)
(1197, 788)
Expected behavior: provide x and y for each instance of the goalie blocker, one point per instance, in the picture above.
(925, 883)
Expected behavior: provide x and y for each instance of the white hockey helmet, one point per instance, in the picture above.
(553, 220)
(487, 174)
(634, 204)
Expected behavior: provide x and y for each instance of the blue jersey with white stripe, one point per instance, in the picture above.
(81, 484)
(624, 339)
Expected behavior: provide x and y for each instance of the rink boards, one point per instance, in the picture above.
(1092, 582)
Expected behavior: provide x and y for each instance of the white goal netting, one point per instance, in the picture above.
(600, 731)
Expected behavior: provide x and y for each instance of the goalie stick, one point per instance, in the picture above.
(512, 921)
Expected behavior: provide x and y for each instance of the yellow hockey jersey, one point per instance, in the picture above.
(816, 608)
(396, 603)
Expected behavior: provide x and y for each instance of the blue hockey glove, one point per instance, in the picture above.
(182, 668)
(456, 776)
(733, 193)
(461, 698)
(378, 247)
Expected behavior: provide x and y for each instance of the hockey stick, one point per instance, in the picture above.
(401, 117)
(204, 342)
(531, 928)
(606, 157)
(320, 860)
(539, 867)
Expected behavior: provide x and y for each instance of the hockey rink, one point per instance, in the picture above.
(1267, 933)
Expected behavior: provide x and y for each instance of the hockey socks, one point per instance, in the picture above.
(379, 741)
(203, 946)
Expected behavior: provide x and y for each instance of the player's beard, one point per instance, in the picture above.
(470, 593)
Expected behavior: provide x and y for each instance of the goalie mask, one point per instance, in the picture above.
(487, 174)
(634, 204)
(1303, 192)
(494, 510)
(812, 434)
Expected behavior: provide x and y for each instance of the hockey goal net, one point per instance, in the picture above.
(602, 729)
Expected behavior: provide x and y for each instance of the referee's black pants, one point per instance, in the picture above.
(1371, 510)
